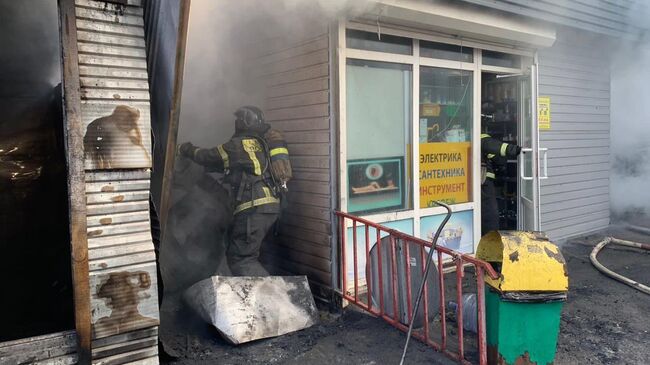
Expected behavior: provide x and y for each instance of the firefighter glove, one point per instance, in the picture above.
(512, 150)
(186, 149)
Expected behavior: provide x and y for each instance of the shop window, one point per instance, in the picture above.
(446, 51)
(499, 59)
(445, 133)
(378, 136)
(379, 43)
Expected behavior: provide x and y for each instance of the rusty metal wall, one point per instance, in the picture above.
(117, 145)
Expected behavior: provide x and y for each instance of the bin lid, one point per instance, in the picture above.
(528, 261)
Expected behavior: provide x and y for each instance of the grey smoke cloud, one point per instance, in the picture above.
(223, 40)
(27, 39)
(630, 129)
(630, 117)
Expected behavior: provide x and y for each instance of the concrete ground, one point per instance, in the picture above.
(603, 322)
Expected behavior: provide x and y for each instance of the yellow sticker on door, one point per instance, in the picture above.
(544, 112)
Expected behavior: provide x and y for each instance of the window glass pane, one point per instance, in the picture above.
(501, 59)
(446, 51)
(378, 135)
(372, 42)
(445, 134)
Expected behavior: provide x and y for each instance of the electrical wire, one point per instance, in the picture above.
(434, 243)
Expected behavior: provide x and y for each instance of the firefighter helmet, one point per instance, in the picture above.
(249, 117)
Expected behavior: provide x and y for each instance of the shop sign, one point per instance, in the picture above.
(444, 173)
(544, 112)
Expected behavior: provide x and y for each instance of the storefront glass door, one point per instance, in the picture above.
(528, 217)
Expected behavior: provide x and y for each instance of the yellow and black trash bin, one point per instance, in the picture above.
(523, 307)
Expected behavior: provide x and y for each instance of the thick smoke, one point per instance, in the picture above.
(630, 118)
(630, 131)
(29, 56)
(224, 38)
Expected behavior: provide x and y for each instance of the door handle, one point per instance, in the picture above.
(544, 152)
(522, 166)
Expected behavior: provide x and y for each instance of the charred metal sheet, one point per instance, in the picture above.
(114, 86)
(56, 348)
(120, 251)
(249, 308)
(123, 300)
(115, 122)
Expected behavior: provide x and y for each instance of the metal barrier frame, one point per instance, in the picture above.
(460, 259)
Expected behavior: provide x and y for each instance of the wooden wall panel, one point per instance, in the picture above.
(296, 75)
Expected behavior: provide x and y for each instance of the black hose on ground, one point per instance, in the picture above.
(424, 278)
(638, 229)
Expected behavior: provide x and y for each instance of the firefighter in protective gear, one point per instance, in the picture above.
(492, 152)
(246, 160)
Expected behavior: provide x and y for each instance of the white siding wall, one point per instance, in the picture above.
(574, 73)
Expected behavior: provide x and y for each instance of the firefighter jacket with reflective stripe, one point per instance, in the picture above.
(280, 164)
(493, 151)
(245, 163)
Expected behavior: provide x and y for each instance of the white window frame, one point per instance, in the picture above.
(415, 213)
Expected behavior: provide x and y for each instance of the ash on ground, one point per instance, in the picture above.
(603, 322)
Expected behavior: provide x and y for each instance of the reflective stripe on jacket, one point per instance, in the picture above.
(245, 163)
(491, 148)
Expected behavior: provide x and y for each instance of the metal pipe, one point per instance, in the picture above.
(393, 261)
(381, 274)
(426, 296)
(368, 276)
(344, 267)
(354, 258)
(482, 333)
(443, 318)
(459, 311)
(625, 280)
(407, 267)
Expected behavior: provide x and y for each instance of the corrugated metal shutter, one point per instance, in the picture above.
(575, 199)
(297, 83)
(115, 112)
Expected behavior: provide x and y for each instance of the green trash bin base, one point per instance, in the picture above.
(521, 332)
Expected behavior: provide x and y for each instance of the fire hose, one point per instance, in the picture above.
(625, 280)
(424, 278)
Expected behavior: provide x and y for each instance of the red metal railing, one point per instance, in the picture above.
(481, 268)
